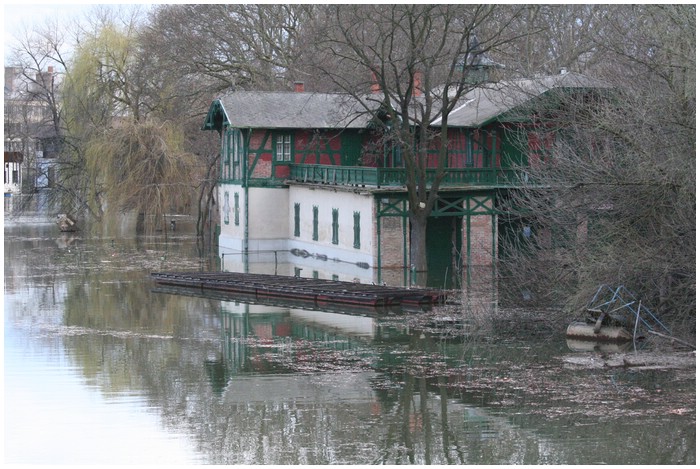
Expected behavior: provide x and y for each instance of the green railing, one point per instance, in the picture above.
(395, 177)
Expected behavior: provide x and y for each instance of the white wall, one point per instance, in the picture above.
(267, 220)
(271, 228)
(327, 199)
(231, 237)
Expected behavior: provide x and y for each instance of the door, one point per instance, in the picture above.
(352, 148)
(443, 244)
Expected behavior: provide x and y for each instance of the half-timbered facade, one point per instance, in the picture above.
(304, 182)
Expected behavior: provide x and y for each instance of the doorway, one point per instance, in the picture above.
(444, 249)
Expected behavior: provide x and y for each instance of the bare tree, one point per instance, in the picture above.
(32, 101)
(234, 45)
(421, 58)
(549, 38)
(615, 203)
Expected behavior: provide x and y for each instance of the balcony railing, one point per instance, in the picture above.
(395, 177)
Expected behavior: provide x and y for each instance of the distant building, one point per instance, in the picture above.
(304, 178)
(13, 172)
(30, 138)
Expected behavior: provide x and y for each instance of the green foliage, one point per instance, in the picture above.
(97, 85)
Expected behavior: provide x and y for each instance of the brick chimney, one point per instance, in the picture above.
(418, 83)
(374, 86)
(298, 86)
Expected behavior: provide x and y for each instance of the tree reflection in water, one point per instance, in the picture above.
(279, 385)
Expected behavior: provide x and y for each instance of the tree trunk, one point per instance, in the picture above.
(419, 225)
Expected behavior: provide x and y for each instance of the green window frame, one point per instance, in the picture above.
(334, 226)
(356, 230)
(227, 208)
(283, 148)
(469, 138)
(232, 150)
(392, 155)
(314, 235)
(297, 223)
(479, 149)
(225, 157)
(236, 209)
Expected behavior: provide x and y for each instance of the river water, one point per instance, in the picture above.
(100, 367)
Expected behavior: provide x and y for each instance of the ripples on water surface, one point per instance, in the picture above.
(100, 369)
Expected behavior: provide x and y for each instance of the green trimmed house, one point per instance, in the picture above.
(307, 187)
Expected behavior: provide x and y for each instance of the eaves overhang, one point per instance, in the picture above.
(217, 118)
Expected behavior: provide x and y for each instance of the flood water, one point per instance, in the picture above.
(102, 368)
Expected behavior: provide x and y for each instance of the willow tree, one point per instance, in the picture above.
(131, 156)
(141, 168)
(421, 60)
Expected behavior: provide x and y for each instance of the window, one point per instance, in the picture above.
(297, 210)
(227, 209)
(315, 232)
(392, 155)
(283, 149)
(356, 230)
(335, 226)
(483, 149)
(236, 154)
(225, 157)
(236, 209)
(232, 149)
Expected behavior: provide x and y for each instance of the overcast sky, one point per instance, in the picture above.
(20, 16)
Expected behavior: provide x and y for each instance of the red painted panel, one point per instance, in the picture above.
(282, 171)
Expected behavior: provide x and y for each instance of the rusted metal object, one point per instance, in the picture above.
(614, 315)
(318, 292)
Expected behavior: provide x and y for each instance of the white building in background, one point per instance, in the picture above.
(13, 172)
(31, 143)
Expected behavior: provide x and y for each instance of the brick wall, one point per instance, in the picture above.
(481, 238)
(263, 169)
(392, 242)
(478, 235)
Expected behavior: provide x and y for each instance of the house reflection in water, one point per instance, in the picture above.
(260, 338)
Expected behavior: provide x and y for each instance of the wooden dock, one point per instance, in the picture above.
(315, 291)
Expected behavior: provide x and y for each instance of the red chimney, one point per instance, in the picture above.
(418, 84)
(374, 87)
(298, 86)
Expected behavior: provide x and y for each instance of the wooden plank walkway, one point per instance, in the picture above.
(319, 292)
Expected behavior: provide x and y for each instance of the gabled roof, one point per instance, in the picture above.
(288, 110)
(294, 110)
(491, 101)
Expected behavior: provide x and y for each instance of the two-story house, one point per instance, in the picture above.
(306, 182)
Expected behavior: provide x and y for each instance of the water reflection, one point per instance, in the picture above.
(100, 366)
